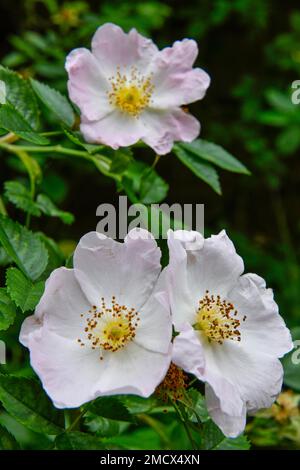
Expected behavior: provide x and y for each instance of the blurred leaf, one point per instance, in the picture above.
(196, 405)
(111, 408)
(212, 438)
(49, 208)
(26, 401)
(20, 196)
(55, 102)
(22, 291)
(24, 247)
(203, 170)
(144, 182)
(7, 310)
(120, 160)
(291, 363)
(78, 441)
(103, 427)
(12, 121)
(31, 165)
(77, 139)
(7, 440)
(21, 96)
(215, 154)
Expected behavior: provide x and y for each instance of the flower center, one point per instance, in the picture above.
(217, 319)
(110, 329)
(131, 94)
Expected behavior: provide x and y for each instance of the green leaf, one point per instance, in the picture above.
(291, 363)
(238, 443)
(77, 139)
(19, 93)
(212, 438)
(111, 408)
(215, 154)
(20, 196)
(26, 401)
(196, 406)
(78, 441)
(143, 181)
(7, 440)
(7, 310)
(22, 291)
(153, 188)
(12, 121)
(55, 102)
(45, 204)
(203, 170)
(120, 160)
(24, 247)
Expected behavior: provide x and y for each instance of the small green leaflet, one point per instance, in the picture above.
(7, 310)
(55, 102)
(22, 291)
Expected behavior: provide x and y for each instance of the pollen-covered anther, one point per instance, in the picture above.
(173, 385)
(218, 319)
(110, 328)
(130, 93)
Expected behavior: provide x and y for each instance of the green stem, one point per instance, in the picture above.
(186, 427)
(156, 426)
(155, 162)
(74, 424)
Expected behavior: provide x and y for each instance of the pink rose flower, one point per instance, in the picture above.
(127, 90)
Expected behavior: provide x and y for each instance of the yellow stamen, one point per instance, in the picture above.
(217, 319)
(131, 94)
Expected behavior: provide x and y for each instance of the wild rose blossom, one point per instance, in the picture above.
(104, 327)
(127, 90)
(231, 334)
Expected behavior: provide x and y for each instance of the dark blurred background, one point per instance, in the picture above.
(251, 49)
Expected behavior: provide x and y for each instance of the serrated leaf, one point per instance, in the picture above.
(12, 121)
(111, 408)
(7, 440)
(143, 181)
(55, 102)
(215, 154)
(26, 401)
(212, 438)
(237, 443)
(20, 196)
(7, 310)
(196, 406)
(45, 204)
(203, 170)
(78, 441)
(21, 96)
(22, 291)
(24, 247)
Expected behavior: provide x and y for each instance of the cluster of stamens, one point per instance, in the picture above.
(173, 385)
(109, 329)
(130, 93)
(218, 319)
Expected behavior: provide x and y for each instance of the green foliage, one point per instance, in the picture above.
(7, 441)
(26, 402)
(77, 441)
(22, 291)
(7, 310)
(55, 102)
(111, 408)
(12, 121)
(291, 363)
(20, 95)
(24, 247)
